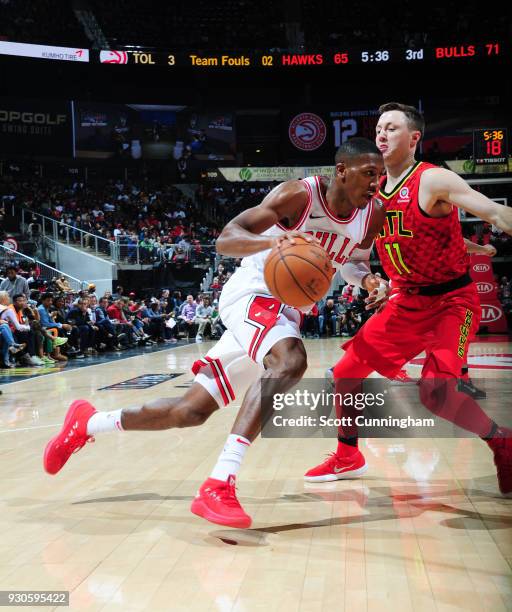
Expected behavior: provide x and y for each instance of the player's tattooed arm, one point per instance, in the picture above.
(440, 187)
(242, 235)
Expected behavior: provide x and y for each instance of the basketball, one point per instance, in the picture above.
(298, 274)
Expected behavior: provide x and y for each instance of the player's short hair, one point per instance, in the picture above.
(45, 296)
(354, 147)
(17, 295)
(415, 119)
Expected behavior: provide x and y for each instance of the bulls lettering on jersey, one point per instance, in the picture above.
(339, 237)
(414, 248)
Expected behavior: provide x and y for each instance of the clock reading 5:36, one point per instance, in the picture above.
(493, 135)
(375, 56)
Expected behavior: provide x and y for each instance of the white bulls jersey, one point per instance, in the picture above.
(339, 237)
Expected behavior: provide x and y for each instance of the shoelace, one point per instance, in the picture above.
(228, 495)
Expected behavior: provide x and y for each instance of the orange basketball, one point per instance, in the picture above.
(298, 274)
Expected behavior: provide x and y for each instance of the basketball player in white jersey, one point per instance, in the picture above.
(263, 340)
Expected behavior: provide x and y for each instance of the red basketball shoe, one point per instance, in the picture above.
(216, 502)
(338, 468)
(501, 446)
(71, 437)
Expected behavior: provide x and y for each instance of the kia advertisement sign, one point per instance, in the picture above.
(491, 313)
(484, 287)
(481, 267)
(493, 320)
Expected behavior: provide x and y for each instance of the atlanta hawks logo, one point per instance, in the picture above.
(307, 131)
(113, 57)
(403, 195)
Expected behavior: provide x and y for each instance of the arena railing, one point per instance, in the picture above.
(122, 250)
(68, 234)
(48, 273)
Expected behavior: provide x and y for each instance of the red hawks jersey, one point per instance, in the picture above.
(414, 248)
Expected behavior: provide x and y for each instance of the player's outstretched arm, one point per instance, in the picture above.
(440, 185)
(480, 249)
(242, 235)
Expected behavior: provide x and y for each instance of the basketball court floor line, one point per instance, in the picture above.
(95, 365)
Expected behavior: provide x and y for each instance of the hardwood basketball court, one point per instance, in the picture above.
(424, 529)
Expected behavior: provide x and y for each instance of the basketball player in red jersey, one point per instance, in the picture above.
(422, 251)
(263, 338)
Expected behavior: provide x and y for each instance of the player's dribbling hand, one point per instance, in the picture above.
(490, 251)
(378, 292)
(289, 238)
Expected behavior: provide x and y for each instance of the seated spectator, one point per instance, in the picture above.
(49, 324)
(62, 285)
(330, 317)
(187, 315)
(104, 322)
(203, 317)
(155, 319)
(59, 311)
(310, 324)
(79, 316)
(117, 316)
(14, 283)
(8, 345)
(21, 329)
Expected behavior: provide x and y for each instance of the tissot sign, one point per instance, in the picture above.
(493, 318)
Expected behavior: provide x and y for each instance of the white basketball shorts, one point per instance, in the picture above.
(255, 322)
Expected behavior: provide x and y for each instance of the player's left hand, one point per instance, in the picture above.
(378, 297)
(490, 251)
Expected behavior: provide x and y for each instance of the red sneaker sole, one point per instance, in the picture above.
(199, 509)
(341, 476)
(67, 420)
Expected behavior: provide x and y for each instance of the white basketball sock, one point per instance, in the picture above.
(101, 422)
(230, 459)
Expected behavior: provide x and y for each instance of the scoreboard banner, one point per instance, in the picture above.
(41, 127)
(197, 59)
(345, 56)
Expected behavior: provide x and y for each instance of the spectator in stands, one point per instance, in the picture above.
(155, 319)
(203, 318)
(117, 316)
(78, 316)
(103, 321)
(20, 328)
(34, 280)
(59, 311)
(49, 324)
(118, 293)
(310, 324)
(218, 328)
(187, 315)
(62, 285)
(330, 314)
(8, 345)
(14, 284)
(91, 292)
